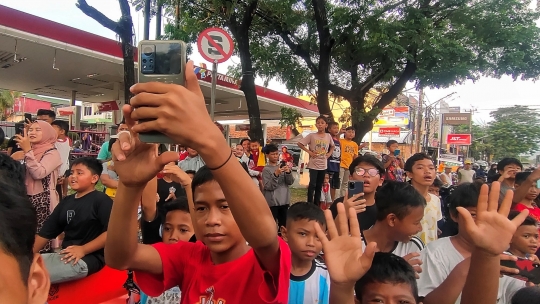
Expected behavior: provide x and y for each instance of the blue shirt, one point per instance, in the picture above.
(313, 287)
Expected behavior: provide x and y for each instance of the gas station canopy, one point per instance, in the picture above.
(43, 57)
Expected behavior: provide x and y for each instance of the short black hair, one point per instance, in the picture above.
(271, 148)
(527, 295)
(413, 159)
(333, 123)
(192, 172)
(18, 224)
(465, 195)
(323, 118)
(93, 164)
(204, 175)
(243, 140)
(521, 177)
(437, 183)
(350, 128)
(49, 113)
(529, 221)
(390, 269)
(508, 161)
(368, 159)
(397, 198)
(180, 203)
(255, 140)
(391, 142)
(305, 211)
(63, 125)
(13, 171)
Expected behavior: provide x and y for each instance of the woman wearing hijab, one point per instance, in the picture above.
(42, 162)
(492, 174)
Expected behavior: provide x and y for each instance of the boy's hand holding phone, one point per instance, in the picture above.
(356, 202)
(492, 231)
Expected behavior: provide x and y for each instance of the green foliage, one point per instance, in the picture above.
(7, 99)
(481, 145)
(514, 131)
(290, 117)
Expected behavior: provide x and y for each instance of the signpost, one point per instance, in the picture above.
(216, 46)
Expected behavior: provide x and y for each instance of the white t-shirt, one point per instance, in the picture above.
(402, 249)
(63, 149)
(440, 257)
(313, 287)
(432, 214)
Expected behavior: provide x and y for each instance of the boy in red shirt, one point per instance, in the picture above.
(221, 267)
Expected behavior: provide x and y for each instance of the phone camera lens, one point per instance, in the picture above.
(144, 60)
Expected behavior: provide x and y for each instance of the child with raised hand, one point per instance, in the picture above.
(310, 282)
(224, 218)
(447, 261)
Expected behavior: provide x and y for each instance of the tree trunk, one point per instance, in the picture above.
(147, 18)
(158, 20)
(294, 131)
(129, 62)
(323, 102)
(248, 87)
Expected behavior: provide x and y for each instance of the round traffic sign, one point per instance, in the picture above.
(215, 44)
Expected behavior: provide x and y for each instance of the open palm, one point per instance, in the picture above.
(343, 253)
(492, 231)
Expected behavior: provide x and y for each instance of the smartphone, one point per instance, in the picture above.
(162, 61)
(355, 187)
(396, 152)
(282, 164)
(27, 117)
(528, 271)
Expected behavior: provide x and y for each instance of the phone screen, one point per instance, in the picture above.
(161, 59)
(396, 152)
(355, 187)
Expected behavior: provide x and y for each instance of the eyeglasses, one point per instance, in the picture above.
(371, 171)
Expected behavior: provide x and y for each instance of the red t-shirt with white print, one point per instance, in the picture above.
(190, 266)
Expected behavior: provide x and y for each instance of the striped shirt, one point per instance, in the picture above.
(402, 249)
(311, 288)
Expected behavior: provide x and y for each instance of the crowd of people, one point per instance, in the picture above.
(218, 227)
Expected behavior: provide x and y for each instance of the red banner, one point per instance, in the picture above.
(459, 139)
(108, 106)
(389, 131)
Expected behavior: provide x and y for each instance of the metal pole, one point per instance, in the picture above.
(146, 19)
(213, 92)
(158, 20)
(419, 120)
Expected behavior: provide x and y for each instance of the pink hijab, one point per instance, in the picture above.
(47, 141)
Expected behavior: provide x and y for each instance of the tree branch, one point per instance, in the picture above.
(93, 13)
(248, 15)
(397, 87)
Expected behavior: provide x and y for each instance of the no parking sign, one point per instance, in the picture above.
(215, 45)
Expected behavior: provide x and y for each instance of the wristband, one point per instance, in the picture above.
(219, 167)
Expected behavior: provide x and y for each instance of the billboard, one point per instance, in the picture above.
(389, 131)
(455, 119)
(459, 139)
(392, 117)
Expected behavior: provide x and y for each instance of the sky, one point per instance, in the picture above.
(483, 96)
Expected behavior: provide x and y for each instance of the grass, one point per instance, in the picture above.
(298, 195)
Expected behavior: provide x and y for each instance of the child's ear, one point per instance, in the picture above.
(391, 219)
(39, 281)
(95, 178)
(283, 233)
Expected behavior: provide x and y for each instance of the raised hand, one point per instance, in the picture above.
(177, 175)
(176, 111)
(343, 253)
(135, 162)
(492, 231)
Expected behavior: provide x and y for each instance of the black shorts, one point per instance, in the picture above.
(335, 183)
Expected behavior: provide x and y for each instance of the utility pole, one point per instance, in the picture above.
(146, 34)
(419, 120)
(159, 11)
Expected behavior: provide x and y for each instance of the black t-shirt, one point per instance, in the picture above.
(13, 145)
(366, 218)
(163, 189)
(82, 220)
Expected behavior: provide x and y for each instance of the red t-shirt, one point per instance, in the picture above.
(534, 212)
(182, 155)
(189, 266)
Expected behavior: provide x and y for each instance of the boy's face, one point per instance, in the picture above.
(334, 130)
(246, 145)
(350, 134)
(513, 169)
(12, 287)
(214, 223)
(45, 118)
(393, 147)
(533, 191)
(58, 130)
(525, 239)
(423, 172)
(371, 183)
(408, 226)
(82, 178)
(254, 146)
(238, 151)
(302, 239)
(273, 157)
(320, 125)
(434, 190)
(177, 227)
(388, 293)
(191, 152)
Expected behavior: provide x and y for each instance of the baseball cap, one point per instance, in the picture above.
(468, 162)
